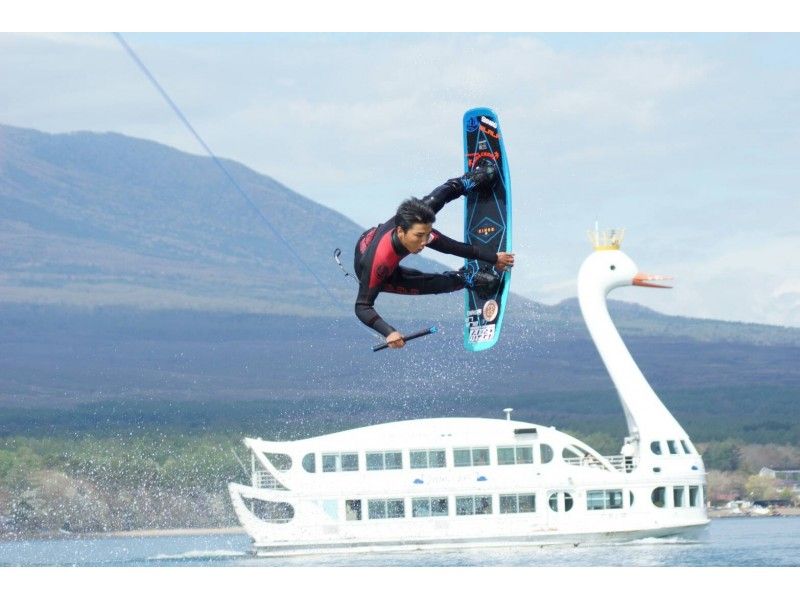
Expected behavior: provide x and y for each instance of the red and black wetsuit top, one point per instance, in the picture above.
(378, 254)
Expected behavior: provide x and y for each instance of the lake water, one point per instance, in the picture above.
(740, 542)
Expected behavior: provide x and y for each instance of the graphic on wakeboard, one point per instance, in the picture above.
(487, 221)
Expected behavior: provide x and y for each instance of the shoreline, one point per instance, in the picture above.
(133, 533)
(778, 512)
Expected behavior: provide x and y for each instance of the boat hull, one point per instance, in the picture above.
(314, 534)
(686, 533)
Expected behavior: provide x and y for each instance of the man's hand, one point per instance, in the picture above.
(395, 340)
(504, 261)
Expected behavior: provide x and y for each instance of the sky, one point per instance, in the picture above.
(691, 142)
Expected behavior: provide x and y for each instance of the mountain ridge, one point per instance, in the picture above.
(103, 219)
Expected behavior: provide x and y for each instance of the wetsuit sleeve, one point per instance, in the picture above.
(445, 244)
(365, 302)
(444, 193)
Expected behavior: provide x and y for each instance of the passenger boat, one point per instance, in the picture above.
(474, 482)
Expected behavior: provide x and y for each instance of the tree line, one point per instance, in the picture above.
(155, 480)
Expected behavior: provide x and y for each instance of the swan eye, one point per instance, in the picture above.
(613, 267)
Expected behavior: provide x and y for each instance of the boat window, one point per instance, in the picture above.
(464, 505)
(505, 455)
(376, 509)
(595, 500)
(271, 512)
(511, 455)
(524, 454)
(655, 446)
(462, 457)
(677, 496)
(436, 459)
(630, 496)
(546, 452)
(473, 505)
(673, 450)
(693, 495)
(508, 503)
(483, 505)
(421, 507)
(374, 461)
(385, 460)
(279, 461)
(393, 460)
(429, 507)
(427, 458)
(349, 461)
(329, 462)
(553, 501)
(352, 510)
(419, 459)
(570, 452)
(659, 496)
(340, 462)
(392, 508)
(527, 503)
(395, 508)
(310, 463)
(517, 503)
(686, 448)
(603, 499)
(466, 457)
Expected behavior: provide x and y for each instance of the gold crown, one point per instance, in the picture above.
(604, 240)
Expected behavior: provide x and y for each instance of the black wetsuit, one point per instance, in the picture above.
(379, 251)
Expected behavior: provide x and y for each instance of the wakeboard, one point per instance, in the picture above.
(487, 221)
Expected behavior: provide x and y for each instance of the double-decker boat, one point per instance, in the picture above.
(474, 482)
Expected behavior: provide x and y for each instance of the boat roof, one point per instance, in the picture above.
(446, 431)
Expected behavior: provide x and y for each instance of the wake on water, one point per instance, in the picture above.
(198, 555)
(662, 541)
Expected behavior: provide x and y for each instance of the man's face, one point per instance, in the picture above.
(415, 238)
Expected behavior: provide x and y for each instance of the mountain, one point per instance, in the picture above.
(102, 219)
(94, 220)
(138, 288)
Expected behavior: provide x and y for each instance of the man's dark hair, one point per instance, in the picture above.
(413, 211)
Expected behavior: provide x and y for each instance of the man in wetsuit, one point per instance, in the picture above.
(380, 249)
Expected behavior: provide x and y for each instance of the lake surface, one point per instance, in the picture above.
(734, 542)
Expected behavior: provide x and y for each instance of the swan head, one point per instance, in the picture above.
(606, 270)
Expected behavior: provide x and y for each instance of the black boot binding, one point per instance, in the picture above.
(482, 176)
(481, 280)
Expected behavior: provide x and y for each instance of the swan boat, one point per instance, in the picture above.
(476, 482)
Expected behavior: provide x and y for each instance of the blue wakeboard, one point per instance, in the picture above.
(487, 221)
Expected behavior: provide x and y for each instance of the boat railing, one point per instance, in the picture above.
(264, 479)
(616, 461)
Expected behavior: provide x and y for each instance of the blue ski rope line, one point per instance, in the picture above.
(219, 163)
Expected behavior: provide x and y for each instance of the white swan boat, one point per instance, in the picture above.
(474, 482)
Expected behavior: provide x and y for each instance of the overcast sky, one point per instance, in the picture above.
(690, 142)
